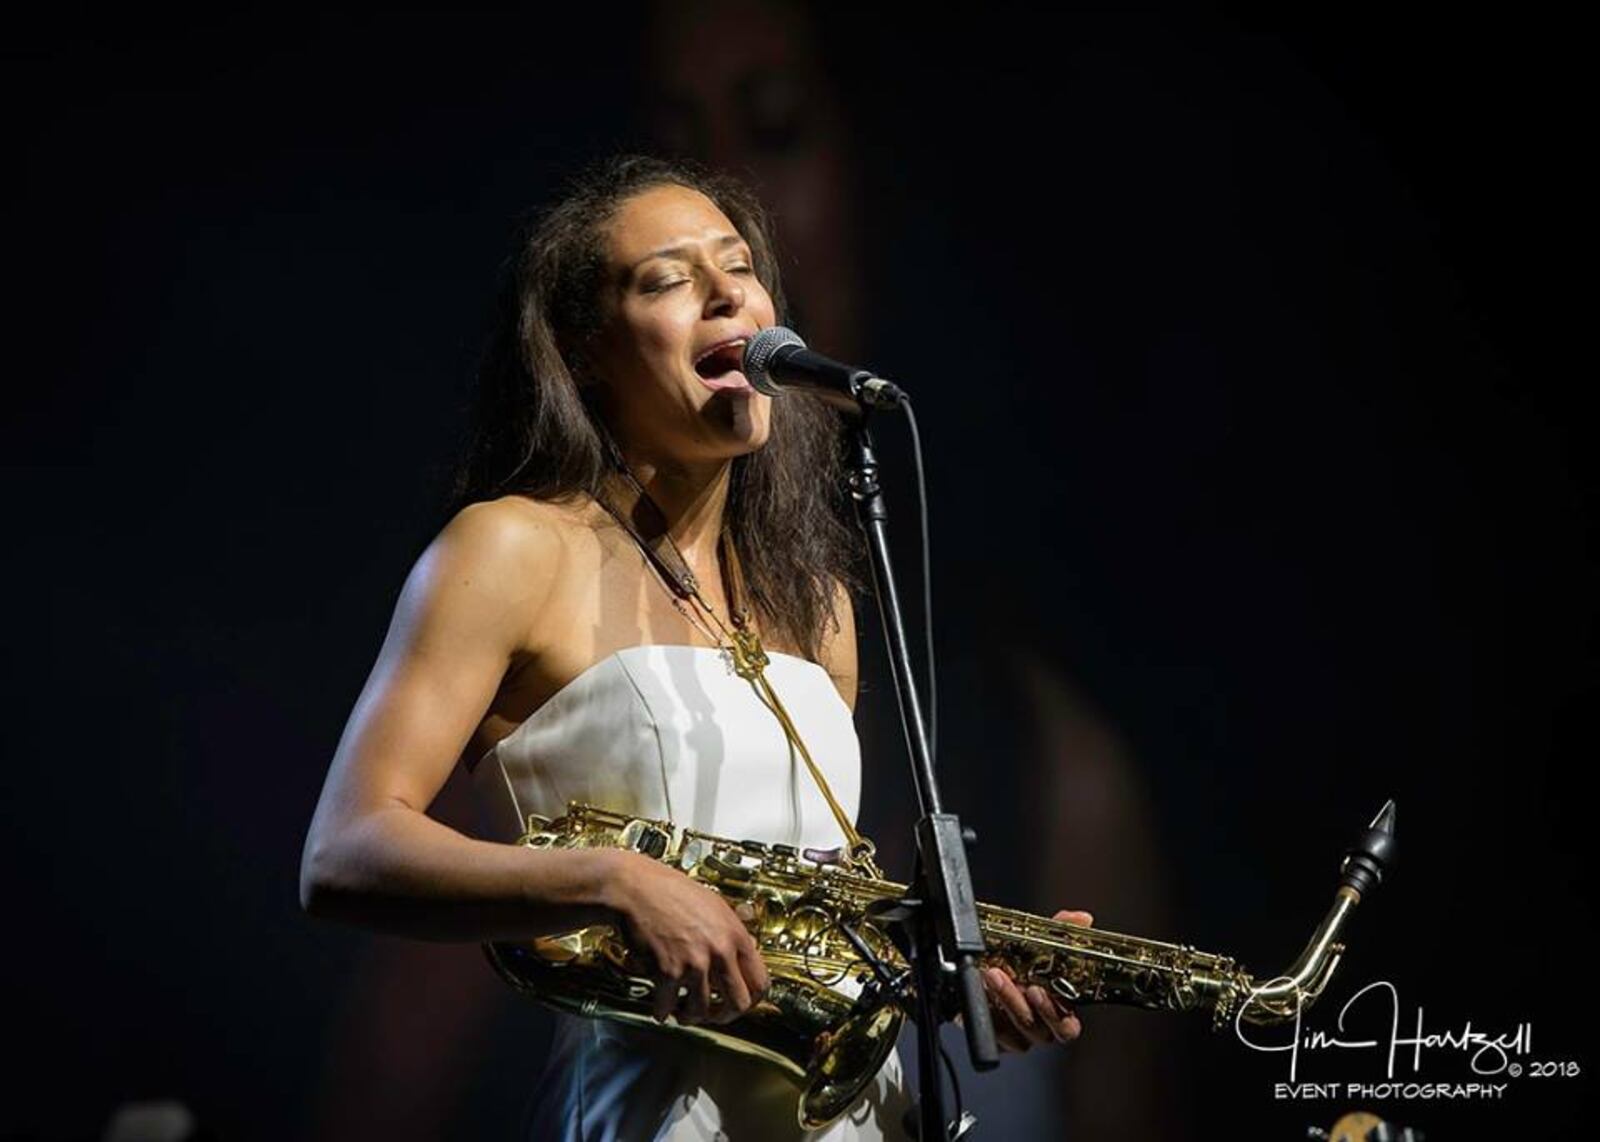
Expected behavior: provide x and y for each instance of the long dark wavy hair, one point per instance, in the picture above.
(535, 427)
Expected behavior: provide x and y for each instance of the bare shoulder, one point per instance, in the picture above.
(838, 651)
(508, 554)
(505, 538)
(518, 518)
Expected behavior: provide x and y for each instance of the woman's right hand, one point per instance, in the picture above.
(690, 938)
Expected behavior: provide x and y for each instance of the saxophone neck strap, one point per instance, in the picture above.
(633, 509)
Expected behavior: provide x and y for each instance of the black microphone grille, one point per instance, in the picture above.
(758, 353)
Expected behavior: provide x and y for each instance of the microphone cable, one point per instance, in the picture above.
(927, 580)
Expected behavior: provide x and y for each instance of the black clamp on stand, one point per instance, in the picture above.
(937, 923)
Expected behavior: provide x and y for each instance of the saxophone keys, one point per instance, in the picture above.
(1065, 989)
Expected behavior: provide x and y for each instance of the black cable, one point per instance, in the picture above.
(912, 1119)
(927, 581)
(950, 1069)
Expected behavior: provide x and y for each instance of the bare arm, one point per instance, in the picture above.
(373, 857)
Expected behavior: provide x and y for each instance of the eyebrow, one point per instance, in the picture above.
(721, 243)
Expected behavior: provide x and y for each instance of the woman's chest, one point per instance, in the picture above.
(608, 602)
(676, 731)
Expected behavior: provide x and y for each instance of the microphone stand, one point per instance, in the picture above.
(939, 919)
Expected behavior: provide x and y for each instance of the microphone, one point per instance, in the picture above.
(776, 360)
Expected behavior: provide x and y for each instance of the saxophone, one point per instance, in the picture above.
(840, 985)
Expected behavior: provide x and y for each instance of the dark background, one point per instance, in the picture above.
(1244, 368)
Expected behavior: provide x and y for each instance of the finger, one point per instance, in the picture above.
(665, 999)
(1021, 1037)
(1016, 1006)
(1050, 1017)
(1058, 1016)
(1083, 919)
(735, 995)
(754, 969)
(1037, 1030)
(695, 1006)
(1072, 1024)
(1009, 1038)
(1006, 1035)
(1068, 1025)
(1044, 1012)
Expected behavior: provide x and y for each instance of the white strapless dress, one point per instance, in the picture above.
(672, 732)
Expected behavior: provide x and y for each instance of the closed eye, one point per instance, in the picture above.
(658, 287)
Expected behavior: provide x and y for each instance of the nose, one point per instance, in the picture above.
(726, 293)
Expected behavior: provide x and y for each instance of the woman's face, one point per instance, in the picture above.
(680, 281)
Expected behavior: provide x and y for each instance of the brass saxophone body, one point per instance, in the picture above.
(839, 981)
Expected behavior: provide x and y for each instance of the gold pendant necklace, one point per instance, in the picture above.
(742, 643)
(730, 649)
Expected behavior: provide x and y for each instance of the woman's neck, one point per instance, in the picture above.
(692, 498)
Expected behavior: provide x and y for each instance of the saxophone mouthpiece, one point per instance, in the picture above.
(1366, 862)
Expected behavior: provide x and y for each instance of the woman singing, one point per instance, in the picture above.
(629, 512)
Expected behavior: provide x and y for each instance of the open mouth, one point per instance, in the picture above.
(720, 367)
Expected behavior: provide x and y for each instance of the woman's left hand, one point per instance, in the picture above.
(1024, 1017)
